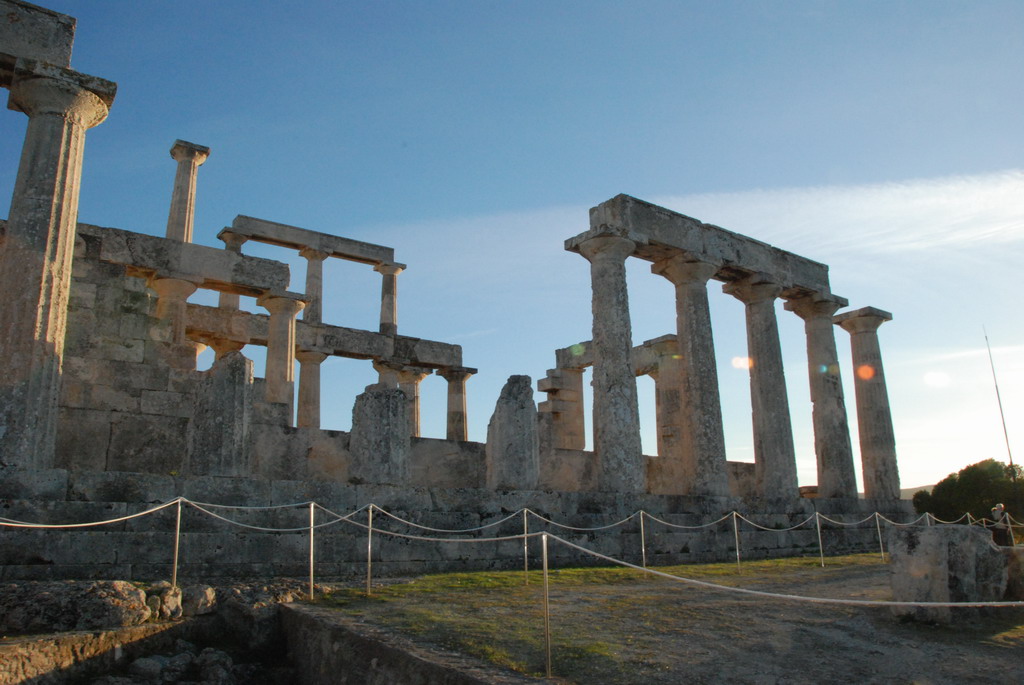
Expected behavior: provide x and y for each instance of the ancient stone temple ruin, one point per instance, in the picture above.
(103, 411)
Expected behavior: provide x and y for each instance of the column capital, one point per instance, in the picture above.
(862, 320)
(815, 305)
(35, 95)
(183, 151)
(681, 269)
(314, 255)
(232, 241)
(607, 247)
(389, 268)
(174, 288)
(456, 374)
(753, 289)
(413, 374)
(310, 356)
(280, 303)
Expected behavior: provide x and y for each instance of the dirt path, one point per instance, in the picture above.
(660, 631)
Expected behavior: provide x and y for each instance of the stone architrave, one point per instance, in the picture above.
(233, 243)
(457, 428)
(218, 444)
(308, 414)
(181, 218)
(836, 477)
(513, 447)
(703, 439)
(313, 313)
(874, 418)
(379, 443)
(774, 454)
(616, 415)
(35, 262)
(389, 297)
(280, 367)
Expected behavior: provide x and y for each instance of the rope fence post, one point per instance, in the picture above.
(643, 541)
(547, 606)
(526, 548)
(927, 518)
(177, 543)
(312, 522)
(369, 550)
(821, 546)
(736, 536)
(970, 519)
(878, 527)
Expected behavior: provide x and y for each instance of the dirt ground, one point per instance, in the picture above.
(660, 631)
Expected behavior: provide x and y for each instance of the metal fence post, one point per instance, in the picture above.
(736, 535)
(312, 522)
(878, 527)
(177, 543)
(643, 541)
(547, 608)
(821, 546)
(369, 550)
(526, 539)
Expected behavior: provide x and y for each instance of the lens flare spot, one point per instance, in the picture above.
(742, 363)
(576, 350)
(937, 379)
(865, 372)
(822, 369)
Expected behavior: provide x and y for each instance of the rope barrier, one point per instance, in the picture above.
(844, 523)
(679, 525)
(583, 530)
(775, 530)
(450, 530)
(12, 523)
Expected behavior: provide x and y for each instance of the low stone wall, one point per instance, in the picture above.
(328, 648)
(143, 548)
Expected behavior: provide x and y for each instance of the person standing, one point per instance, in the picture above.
(1001, 534)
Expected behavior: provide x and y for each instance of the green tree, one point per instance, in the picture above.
(975, 489)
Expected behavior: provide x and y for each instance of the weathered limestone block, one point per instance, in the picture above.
(380, 441)
(37, 33)
(221, 415)
(58, 606)
(147, 443)
(513, 447)
(945, 564)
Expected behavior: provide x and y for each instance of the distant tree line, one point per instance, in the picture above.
(975, 489)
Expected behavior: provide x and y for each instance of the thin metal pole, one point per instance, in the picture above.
(999, 400)
(821, 546)
(177, 542)
(736, 535)
(369, 550)
(927, 518)
(878, 527)
(547, 607)
(312, 521)
(970, 519)
(643, 541)
(526, 550)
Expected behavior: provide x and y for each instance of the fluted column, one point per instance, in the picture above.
(616, 416)
(280, 368)
(874, 418)
(313, 313)
(172, 304)
(389, 297)
(35, 261)
(668, 398)
(703, 439)
(308, 414)
(457, 428)
(836, 477)
(232, 242)
(409, 379)
(774, 455)
(181, 218)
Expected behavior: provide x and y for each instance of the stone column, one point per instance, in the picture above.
(232, 242)
(387, 372)
(280, 369)
(189, 157)
(35, 262)
(456, 376)
(308, 415)
(667, 397)
(313, 313)
(874, 419)
(171, 304)
(616, 416)
(774, 455)
(409, 379)
(703, 438)
(564, 407)
(222, 347)
(836, 476)
(389, 297)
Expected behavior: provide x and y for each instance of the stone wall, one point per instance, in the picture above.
(142, 548)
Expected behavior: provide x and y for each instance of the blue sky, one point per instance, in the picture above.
(882, 138)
